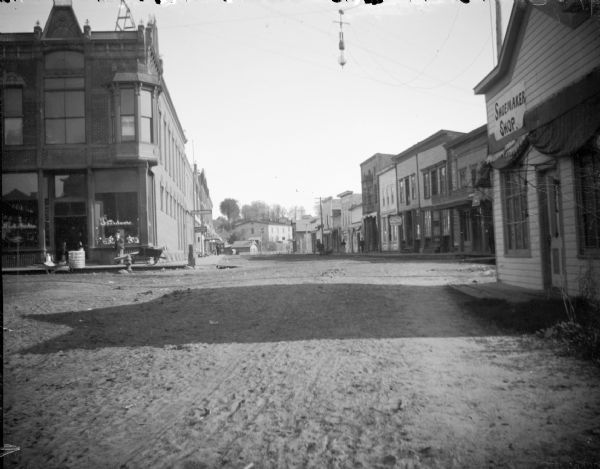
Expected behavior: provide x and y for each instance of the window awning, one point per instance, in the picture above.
(565, 122)
(511, 153)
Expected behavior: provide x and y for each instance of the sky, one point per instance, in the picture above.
(267, 110)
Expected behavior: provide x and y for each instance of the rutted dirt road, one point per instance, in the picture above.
(285, 362)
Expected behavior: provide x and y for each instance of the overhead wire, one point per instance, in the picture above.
(437, 53)
(370, 51)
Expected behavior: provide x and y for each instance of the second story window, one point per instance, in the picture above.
(426, 184)
(127, 114)
(443, 180)
(64, 106)
(434, 182)
(13, 116)
(146, 116)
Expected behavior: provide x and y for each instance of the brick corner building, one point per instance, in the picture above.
(91, 144)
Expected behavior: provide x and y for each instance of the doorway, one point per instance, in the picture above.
(69, 231)
(551, 229)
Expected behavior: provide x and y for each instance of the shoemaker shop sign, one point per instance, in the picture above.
(508, 111)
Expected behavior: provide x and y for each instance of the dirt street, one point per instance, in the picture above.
(286, 362)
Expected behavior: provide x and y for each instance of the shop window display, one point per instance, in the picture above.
(116, 212)
(19, 211)
(116, 207)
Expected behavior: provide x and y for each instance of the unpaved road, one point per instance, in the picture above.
(290, 362)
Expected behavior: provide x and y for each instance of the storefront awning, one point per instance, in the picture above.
(511, 153)
(367, 215)
(565, 122)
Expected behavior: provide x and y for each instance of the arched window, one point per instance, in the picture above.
(63, 60)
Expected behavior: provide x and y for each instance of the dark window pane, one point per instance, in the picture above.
(54, 83)
(64, 60)
(127, 102)
(13, 102)
(55, 131)
(73, 60)
(71, 185)
(55, 104)
(74, 104)
(74, 83)
(75, 130)
(13, 131)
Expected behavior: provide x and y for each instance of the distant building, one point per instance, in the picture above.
(271, 236)
(370, 198)
(464, 201)
(351, 220)
(543, 126)
(331, 212)
(206, 237)
(388, 208)
(92, 144)
(421, 174)
(305, 239)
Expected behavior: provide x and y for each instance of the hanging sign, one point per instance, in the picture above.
(508, 111)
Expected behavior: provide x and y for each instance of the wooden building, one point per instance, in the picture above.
(91, 143)
(543, 123)
(465, 196)
(421, 177)
(370, 198)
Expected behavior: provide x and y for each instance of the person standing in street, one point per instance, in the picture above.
(119, 246)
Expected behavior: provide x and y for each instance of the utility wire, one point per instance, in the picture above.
(437, 53)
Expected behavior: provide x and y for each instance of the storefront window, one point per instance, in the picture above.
(19, 211)
(427, 223)
(116, 207)
(516, 226)
(588, 192)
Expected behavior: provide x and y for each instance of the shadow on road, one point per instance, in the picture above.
(291, 312)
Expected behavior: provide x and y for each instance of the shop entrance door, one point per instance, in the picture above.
(70, 227)
(552, 241)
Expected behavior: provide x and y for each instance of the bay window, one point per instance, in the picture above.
(127, 97)
(146, 116)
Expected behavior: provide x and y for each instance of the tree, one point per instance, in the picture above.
(231, 209)
(277, 212)
(296, 212)
(257, 211)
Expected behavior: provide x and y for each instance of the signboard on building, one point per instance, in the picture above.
(200, 229)
(508, 110)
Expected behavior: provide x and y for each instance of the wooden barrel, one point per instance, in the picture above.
(77, 259)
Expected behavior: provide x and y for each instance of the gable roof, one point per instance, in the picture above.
(441, 136)
(569, 13)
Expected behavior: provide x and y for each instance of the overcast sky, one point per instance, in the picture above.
(268, 111)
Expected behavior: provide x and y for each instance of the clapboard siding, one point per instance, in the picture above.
(552, 56)
(520, 271)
